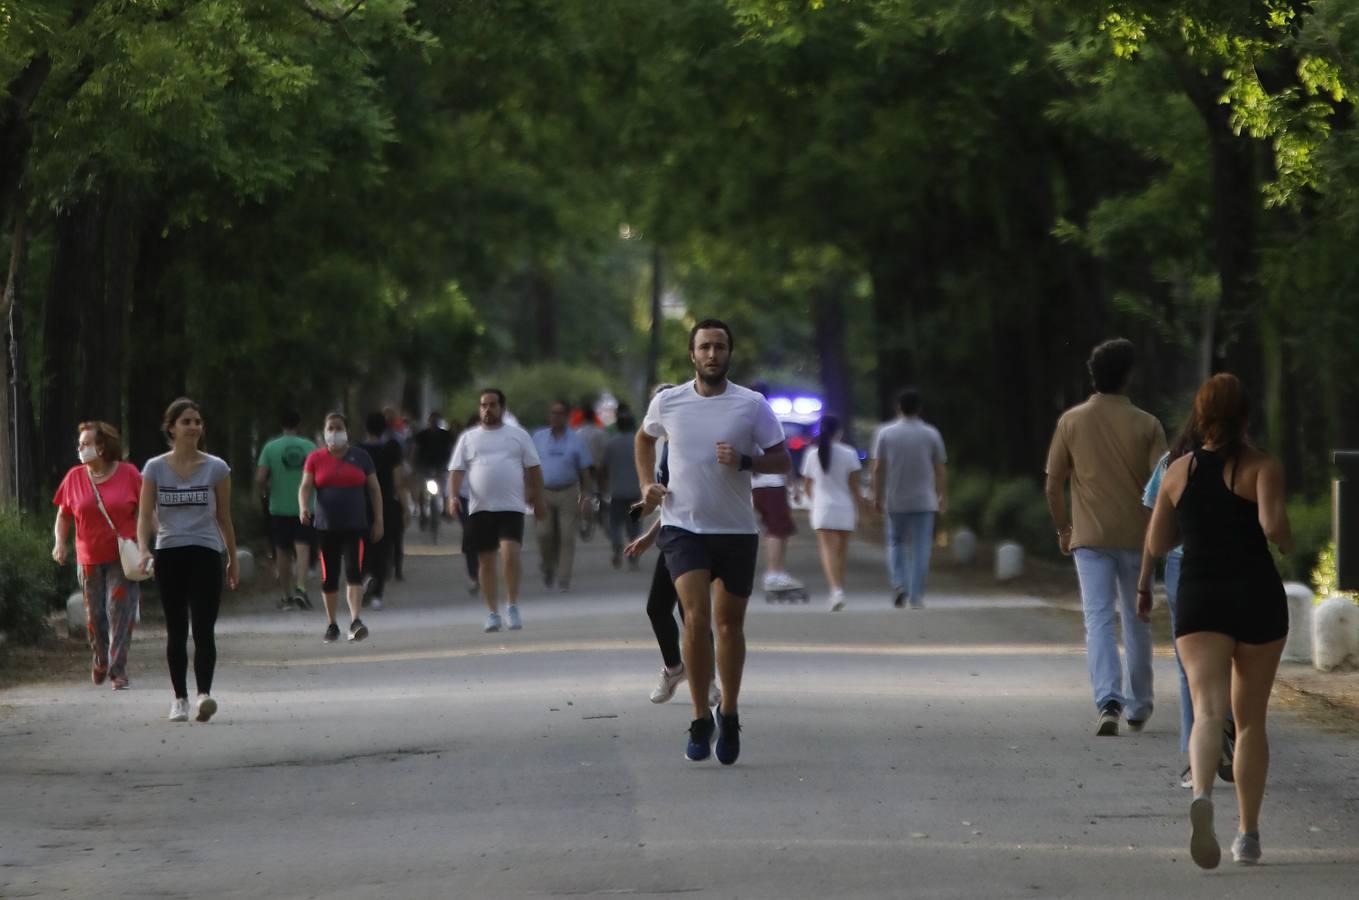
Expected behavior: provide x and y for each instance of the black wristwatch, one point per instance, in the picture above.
(747, 463)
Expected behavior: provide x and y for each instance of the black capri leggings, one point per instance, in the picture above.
(335, 546)
(661, 604)
(190, 581)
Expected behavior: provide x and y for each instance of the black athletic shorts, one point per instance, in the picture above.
(485, 530)
(286, 532)
(729, 558)
(341, 550)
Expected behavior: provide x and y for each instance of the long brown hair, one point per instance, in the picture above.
(1222, 410)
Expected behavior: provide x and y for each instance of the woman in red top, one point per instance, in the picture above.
(110, 599)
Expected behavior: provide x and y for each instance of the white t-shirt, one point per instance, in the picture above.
(705, 496)
(494, 460)
(830, 490)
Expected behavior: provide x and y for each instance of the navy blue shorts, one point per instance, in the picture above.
(729, 558)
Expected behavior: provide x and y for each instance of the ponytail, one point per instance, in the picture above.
(825, 440)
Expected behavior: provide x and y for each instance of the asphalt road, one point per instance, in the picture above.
(945, 752)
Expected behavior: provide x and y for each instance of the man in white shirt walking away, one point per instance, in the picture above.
(718, 433)
(910, 487)
(501, 466)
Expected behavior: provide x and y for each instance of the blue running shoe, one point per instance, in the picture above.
(700, 739)
(728, 738)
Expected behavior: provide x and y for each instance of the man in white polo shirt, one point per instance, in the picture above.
(718, 433)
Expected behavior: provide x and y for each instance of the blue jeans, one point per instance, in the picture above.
(1172, 583)
(1109, 590)
(910, 537)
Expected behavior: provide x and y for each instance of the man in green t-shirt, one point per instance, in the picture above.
(278, 477)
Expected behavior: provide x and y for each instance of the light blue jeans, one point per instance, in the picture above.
(1108, 591)
(910, 537)
(1172, 583)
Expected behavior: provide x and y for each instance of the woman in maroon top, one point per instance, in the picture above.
(110, 599)
(348, 511)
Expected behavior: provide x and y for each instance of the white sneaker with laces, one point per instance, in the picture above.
(492, 622)
(512, 614)
(837, 600)
(665, 687)
(179, 710)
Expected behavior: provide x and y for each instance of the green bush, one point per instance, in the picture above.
(968, 495)
(1311, 524)
(1323, 576)
(530, 390)
(1018, 511)
(29, 582)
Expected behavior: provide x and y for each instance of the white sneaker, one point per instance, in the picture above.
(179, 710)
(512, 614)
(492, 622)
(837, 600)
(665, 688)
(206, 707)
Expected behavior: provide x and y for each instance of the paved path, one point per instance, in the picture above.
(942, 753)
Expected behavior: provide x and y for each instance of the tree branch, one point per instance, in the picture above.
(335, 16)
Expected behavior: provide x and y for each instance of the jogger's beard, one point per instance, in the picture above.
(714, 380)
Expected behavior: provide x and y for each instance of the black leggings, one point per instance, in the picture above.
(661, 604)
(190, 581)
(337, 545)
(378, 558)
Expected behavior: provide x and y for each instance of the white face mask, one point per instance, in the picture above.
(88, 454)
(336, 438)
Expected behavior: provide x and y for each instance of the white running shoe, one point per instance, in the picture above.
(206, 707)
(179, 710)
(492, 623)
(837, 600)
(665, 688)
(512, 614)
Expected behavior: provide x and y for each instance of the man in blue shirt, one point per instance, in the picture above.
(566, 485)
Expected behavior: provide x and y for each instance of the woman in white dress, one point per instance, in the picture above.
(831, 480)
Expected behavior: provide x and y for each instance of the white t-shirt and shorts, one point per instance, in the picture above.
(707, 520)
(494, 460)
(833, 506)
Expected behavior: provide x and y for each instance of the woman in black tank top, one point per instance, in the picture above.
(1225, 502)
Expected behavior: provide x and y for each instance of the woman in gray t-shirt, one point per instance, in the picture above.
(187, 493)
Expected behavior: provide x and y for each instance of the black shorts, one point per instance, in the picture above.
(729, 558)
(341, 549)
(286, 532)
(485, 530)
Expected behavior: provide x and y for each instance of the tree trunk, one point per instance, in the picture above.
(155, 376)
(105, 351)
(1235, 160)
(9, 430)
(542, 305)
(893, 325)
(75, 288)
(653, 357)
(828, 314)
